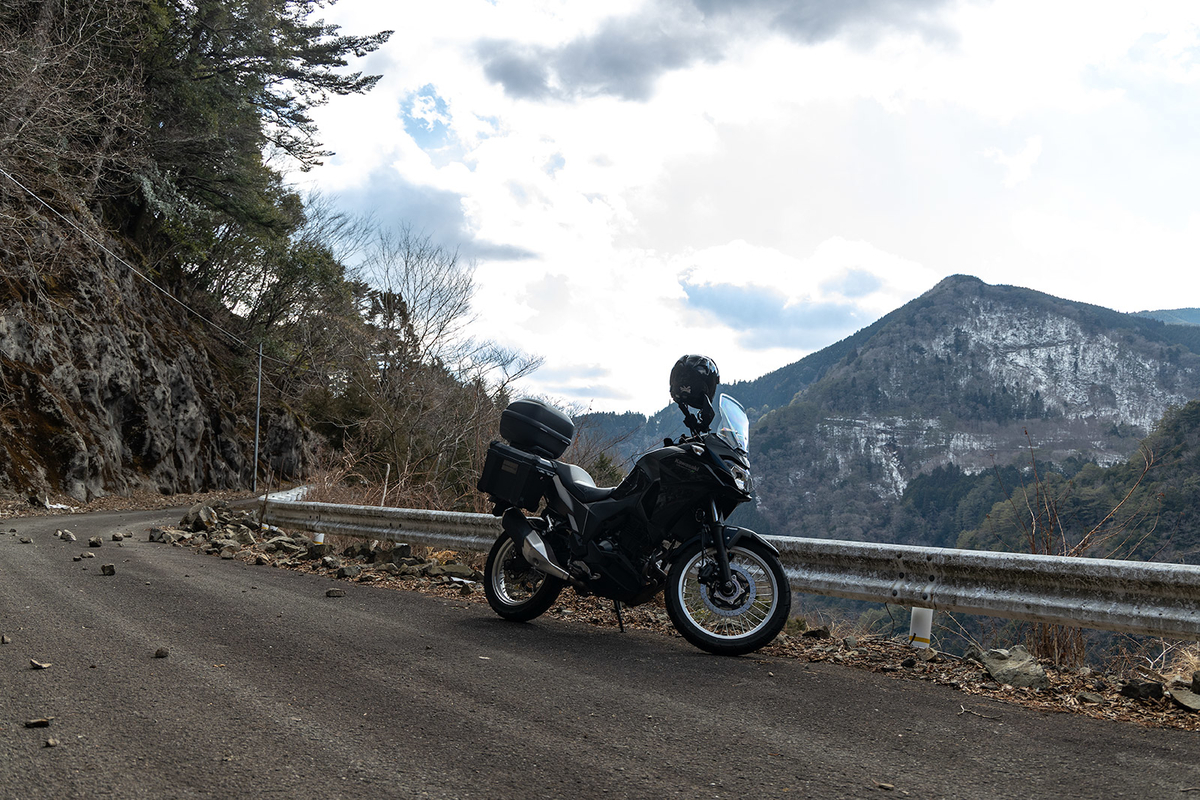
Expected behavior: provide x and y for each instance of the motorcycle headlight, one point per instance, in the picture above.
(742, 478)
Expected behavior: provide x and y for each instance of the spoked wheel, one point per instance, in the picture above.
(738, 622)
(514, 589)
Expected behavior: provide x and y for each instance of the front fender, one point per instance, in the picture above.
(732, 535)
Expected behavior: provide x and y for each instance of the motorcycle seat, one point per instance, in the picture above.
(580, 484)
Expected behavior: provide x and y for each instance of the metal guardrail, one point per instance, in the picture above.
(1127, 596)
(447, 529)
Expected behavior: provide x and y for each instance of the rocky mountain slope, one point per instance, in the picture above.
(107, 386)
(968, 377)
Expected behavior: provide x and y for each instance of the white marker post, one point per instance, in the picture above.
(921, 626)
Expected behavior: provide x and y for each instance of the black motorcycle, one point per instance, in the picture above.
(662, 527)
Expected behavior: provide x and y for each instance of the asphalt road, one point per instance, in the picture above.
(272, 689)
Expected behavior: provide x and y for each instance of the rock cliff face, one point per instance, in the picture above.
(107, 385)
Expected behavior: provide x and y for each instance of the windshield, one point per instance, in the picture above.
(732, 425)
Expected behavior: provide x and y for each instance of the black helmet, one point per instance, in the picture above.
(694, 382)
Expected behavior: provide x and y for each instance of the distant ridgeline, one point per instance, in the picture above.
(920, 428)
(1175, 316)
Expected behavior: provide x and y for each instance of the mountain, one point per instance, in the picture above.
(914, 427)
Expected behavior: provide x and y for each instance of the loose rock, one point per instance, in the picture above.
(1015, 667)
(95, 541)
(335, 593)
(25, 540)
(38, 664)
(162, 652)
(40, 722)
(67, 536)
(52, 742)
(5, 640)
(108, 569)
(1143, 690)
(1185, 699)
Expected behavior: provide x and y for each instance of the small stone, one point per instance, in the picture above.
(89, 555)
(335, 593)
(38, 664)
(162, 652)
(108, 569)
(816, 633)
(25, 540)
(52, 742)
(466, 590)
(40, 722)
(1089, 698)
(77, 558)
(908, 662)
(349, 571)
(117, 537)
(228, 552)
(95, 541)
(850, 642)
(5, 640)
(67, 536)
(262, 559)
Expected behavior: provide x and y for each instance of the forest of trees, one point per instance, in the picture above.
(172, 127)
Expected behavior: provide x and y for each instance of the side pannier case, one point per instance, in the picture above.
(535, 427)
(513, 477)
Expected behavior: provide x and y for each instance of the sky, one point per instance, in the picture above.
(755, 180)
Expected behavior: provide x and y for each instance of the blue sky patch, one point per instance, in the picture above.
(427, 118)
(763, 319)
(855, 283)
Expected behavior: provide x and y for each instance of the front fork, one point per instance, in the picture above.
(716, 532)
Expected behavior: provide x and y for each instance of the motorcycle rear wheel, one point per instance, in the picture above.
(741, 623)
(514, 589)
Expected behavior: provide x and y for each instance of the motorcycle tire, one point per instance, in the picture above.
(515, 590)
(741, 623)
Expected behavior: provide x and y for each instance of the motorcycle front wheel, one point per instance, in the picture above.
(737, 623)
(514, 589)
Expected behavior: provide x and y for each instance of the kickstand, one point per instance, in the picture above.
(620, 619)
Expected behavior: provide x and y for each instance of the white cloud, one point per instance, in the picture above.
(1048, 145)
(1018, 166)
